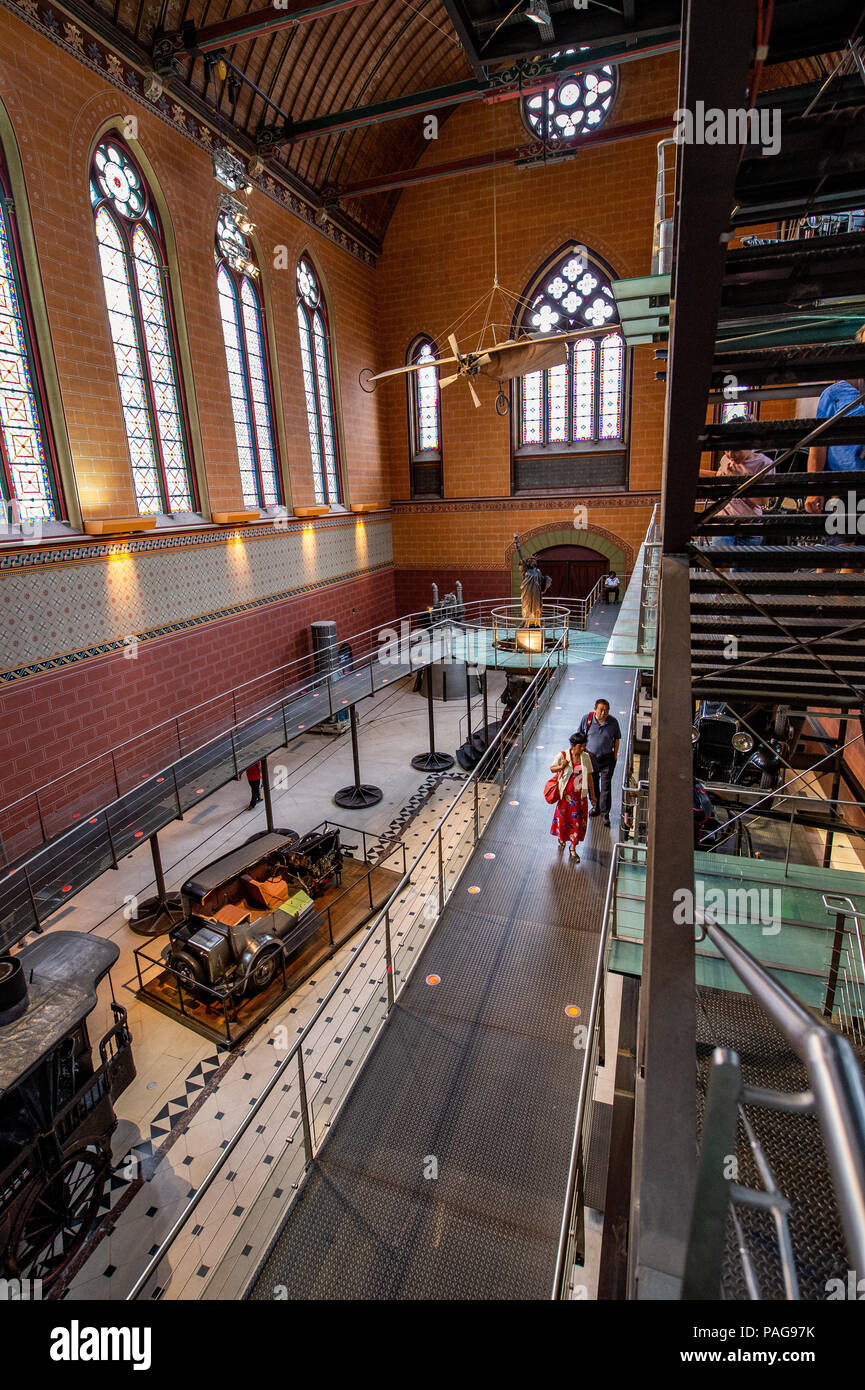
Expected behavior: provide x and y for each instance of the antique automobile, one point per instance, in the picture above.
(726, 751)
(245, 914)
(56, 1106)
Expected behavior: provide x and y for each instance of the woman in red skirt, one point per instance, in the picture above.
(575, 787)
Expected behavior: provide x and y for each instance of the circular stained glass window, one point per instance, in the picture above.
(575, 105)
(119, 179)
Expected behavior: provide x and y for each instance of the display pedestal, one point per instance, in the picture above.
(431, 761)
(156, 915)
(362, 794)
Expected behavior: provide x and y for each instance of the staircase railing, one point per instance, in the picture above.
(836, 1097)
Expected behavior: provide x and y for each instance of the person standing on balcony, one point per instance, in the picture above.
(576, 786)
(253, 777)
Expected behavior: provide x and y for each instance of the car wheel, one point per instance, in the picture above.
(263, 970)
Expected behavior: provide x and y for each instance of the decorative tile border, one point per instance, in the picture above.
(546, 503)
(121, 644)
(74, 38)
(80, 549)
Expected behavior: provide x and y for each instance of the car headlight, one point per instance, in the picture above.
(695, 735)
(743, 743)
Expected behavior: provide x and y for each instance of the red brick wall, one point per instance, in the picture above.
(52, 724)
(55, 141)
(414, 587)
(438, 260)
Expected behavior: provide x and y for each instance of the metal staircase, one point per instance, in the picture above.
(772, 319)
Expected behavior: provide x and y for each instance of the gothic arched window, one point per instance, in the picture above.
(424, 418)
(243, 330)
(571, 412)
(318, 385)
(140, 316)
(28, 475)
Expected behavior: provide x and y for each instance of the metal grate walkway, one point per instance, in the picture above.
(476, 1075)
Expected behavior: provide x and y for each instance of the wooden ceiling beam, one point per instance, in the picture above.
(254, 25)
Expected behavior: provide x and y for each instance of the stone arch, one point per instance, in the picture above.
(617, 551)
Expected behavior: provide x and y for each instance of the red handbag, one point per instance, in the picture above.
(551, 786)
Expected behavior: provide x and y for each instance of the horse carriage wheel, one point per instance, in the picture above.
(57, 1216)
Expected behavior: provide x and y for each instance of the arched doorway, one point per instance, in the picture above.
(574, 569)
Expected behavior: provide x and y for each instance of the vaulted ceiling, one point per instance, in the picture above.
(331, 92)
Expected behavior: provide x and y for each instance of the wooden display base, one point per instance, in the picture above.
(340, 911)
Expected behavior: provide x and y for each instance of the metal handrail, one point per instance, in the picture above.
(478, 605)
(836, 1081)
(357, 954)
(586, 1081)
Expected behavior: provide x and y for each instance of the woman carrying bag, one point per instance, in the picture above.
(570, 789)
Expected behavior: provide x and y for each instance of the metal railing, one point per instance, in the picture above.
(846, 978)
(570, 1253)
(308, 1087)
(836, 1097)
(650, 590)
(37, 817)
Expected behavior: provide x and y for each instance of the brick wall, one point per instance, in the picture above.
(438, 260)
(54, 723)
(55, 140)
(414, 586)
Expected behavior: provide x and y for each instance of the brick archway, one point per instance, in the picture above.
(619, 553)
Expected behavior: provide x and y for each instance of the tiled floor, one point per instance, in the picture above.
(189, 1097)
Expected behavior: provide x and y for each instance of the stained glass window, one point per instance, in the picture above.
(572, 106)
(27, 474)
(424, 407)
(737, 410)
(580, 404)
(132, 261)
(318, 385)
(243, 333)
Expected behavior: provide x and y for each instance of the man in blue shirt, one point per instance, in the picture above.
(604, 737)
(837, 458)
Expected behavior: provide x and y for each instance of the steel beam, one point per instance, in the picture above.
(574, 28)
(535, 152)
(509, 83)
(465, 34)
(665, 1141)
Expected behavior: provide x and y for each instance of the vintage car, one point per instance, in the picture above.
(56, 1105)
(726, 751)
(248, 912)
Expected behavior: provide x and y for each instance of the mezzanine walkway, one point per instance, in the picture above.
(444, 1176)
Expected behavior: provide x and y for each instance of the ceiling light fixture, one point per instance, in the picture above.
(537, 11)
